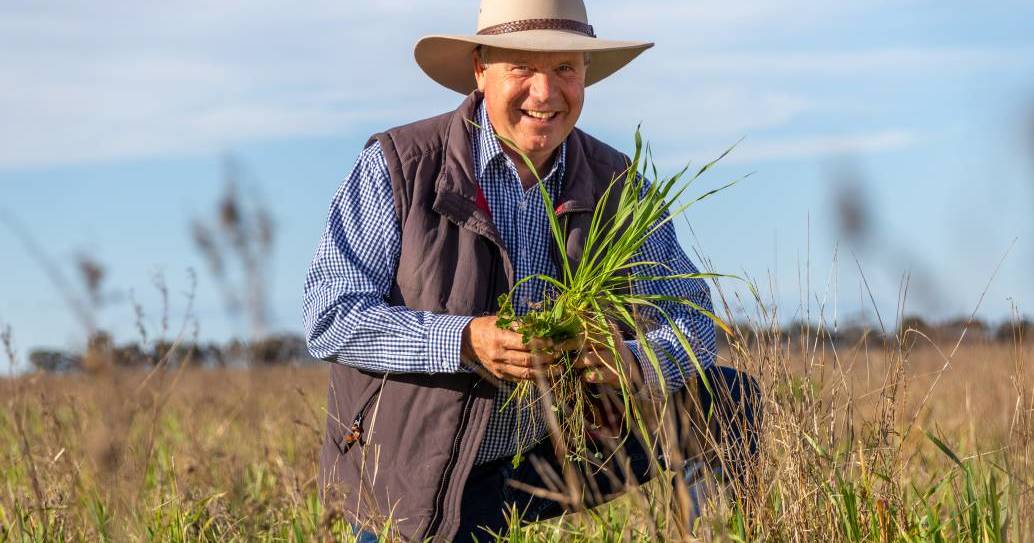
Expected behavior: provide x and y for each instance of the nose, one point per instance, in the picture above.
(542, 87)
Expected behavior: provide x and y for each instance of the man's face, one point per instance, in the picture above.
(534, 99)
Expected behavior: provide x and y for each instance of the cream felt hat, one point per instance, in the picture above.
(527, 25)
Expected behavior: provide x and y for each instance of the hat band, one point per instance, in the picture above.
(538, 24)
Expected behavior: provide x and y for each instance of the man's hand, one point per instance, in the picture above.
(597, 362)
(505, 355)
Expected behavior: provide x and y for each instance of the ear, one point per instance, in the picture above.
(479, 70)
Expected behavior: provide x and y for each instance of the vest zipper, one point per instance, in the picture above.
(355, 432)
(497, 262)
(439, 499)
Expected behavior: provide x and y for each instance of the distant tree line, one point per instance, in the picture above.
(102, 353)
(911, 330)
(289, 349)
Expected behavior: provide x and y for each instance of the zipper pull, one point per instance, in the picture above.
(355, 433)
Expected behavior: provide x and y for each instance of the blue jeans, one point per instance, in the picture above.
(488, 496)
(362, 536)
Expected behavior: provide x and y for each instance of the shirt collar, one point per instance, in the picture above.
(490, 148)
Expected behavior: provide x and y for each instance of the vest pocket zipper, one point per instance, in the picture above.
(355, 431)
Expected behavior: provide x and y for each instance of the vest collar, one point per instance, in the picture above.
(459, 198)
(580, 190)
(457, 194)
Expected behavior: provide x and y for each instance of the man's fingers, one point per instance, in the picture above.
(510, 372)
(520, 365)
(572, 344)
(591, 358)
(534, 345)
(586, 360)
(601, 375)
(515, 342)
(510, 340)
(527, 359)
(541, 344)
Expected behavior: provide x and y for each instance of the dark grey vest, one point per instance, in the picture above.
(404, 444)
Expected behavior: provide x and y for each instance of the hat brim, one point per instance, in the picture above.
(447, 59)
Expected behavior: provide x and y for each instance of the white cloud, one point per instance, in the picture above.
(751, 151)
(871, 62)
(693, 110)
(114, 80)
(824, 145)
(106, 80)
(718, 21)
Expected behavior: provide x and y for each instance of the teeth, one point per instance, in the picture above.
(540, 114)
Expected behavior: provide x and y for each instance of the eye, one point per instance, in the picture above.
(565, 68)
(521, 68)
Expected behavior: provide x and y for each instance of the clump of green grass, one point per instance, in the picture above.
(586, 301)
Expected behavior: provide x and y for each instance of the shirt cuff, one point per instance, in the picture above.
(445, 341)
(651, 385)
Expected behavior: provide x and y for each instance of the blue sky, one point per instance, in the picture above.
(116, 118)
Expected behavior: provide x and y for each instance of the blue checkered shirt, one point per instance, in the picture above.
(352, 272)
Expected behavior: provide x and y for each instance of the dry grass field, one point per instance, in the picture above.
(889, 443)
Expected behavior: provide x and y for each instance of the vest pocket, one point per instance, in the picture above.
(354, 433)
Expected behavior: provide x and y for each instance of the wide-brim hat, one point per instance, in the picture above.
(526, 25)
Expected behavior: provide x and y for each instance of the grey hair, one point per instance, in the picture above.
(482, 53)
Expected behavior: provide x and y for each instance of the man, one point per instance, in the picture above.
(436, 220)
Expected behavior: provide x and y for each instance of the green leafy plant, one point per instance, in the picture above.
(587, 301)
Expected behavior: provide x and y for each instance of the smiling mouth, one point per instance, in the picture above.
(541, 115)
